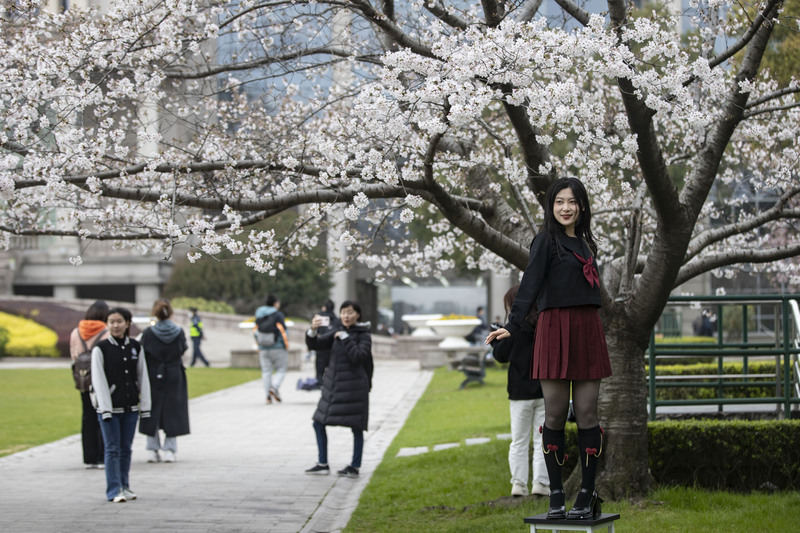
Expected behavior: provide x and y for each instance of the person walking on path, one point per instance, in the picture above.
(346, 384)
(122, 388)
(273, 347)
(164, 344)
(197, 335)
(91, 330)
(526, 405)
(570, 349)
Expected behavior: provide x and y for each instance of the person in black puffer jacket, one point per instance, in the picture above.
(346, 384)
(526, 404)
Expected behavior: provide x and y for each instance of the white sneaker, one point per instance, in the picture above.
(169, 456)
(540, 489)
(119, 498)
(152, 456)
(519, 490)
(129, 494)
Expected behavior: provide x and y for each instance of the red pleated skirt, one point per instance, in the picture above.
(570, 344)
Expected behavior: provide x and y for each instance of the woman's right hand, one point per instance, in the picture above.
(496, 335)
(316, 322)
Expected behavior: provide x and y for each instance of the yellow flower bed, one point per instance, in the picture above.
(26, 338)
(457, 317)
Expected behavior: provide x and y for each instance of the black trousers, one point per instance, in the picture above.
(91, 437)
(321, 363)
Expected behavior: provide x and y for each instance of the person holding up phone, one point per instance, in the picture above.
(346, 384)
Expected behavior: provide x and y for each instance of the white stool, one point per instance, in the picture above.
(540, 522)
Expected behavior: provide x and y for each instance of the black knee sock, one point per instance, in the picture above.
(553, 446)
(590, 446)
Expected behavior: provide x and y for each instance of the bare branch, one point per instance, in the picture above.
(438, 10)
(577, 12)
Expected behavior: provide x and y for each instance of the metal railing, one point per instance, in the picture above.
(783, 346)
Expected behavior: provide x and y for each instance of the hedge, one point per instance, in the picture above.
(733, 455)
(704, 369)
(27, 338)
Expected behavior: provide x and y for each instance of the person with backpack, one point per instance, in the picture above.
(122, 389)
(273, 346)
(91, 330)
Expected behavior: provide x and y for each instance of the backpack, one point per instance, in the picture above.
(267, 332)
(82, 368)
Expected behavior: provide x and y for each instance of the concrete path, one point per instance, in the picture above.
(241, 469)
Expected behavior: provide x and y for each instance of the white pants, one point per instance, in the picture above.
(170, 443)
(526, 417)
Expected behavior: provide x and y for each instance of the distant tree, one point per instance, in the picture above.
(298, 281)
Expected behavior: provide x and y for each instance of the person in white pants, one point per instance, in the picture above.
(526, 406)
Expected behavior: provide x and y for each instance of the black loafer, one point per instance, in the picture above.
(557, 512)
(592, 510)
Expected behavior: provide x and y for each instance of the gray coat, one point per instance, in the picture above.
(347, 379)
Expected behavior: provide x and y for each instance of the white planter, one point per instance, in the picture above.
(418, 324)
(454, 331)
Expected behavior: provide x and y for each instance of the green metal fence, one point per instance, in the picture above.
(773, 333)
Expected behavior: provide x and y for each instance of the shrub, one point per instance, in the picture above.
(732, 455)
(210, 306)
(59, 318)
(4, 335)
(703, 369)
(27, 338)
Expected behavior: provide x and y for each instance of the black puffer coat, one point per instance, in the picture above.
(348, 378)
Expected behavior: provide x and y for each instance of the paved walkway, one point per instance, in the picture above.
(241, 469)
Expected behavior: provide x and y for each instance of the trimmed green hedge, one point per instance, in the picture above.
(211, 306)
(734, 455)
(27, 338)
(703, 369)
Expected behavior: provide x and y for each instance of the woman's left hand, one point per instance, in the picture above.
(497, 334)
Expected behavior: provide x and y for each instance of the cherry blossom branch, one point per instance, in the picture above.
(699, 266)
(706, 238)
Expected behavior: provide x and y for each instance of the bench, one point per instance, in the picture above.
(540, 522)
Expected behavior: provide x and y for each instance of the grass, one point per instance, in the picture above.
(41, 405)
(466, 489)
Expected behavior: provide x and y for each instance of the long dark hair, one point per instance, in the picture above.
(583, 227)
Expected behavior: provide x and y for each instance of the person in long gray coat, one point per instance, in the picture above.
(164, 345)
(346, 384)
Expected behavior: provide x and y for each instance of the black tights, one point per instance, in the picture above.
(556, 402)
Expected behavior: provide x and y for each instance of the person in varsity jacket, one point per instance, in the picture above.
(122, 394)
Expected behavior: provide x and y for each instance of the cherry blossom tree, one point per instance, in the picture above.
(163, 123)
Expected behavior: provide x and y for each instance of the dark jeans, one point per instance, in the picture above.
(322, 445)
(196, 353)
(91, 437)
(118, 432)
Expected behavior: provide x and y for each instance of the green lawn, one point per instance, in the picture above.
(41, 405)
(466, 489)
